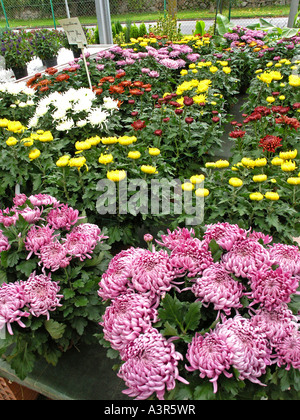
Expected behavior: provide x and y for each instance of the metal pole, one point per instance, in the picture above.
(293, 12)
(229, 15)
(4, 11)
(104, 22)
(67, 9)
(53, 16)
(165, 9)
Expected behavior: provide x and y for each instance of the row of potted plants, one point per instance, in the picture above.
(19, 47)
(157, 111)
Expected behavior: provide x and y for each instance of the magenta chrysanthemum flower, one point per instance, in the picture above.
(114, 281)
(8, 217)
(37, 237)
(288, 351)
(12, 301)
(271, 288)
(151, 273)
(218, 287)
(276, 324)
(175, 238)
(126, 318)
(150, 366)
(4, 244)
(249, 347)
(54, 256)
(246, 257)
(31, 215)
(267, 239)
(210, 355)
(19, 200)
(43, 200)
(287, 256)
(63, 217)
(191, 256)
(42, 294)
(224, 234)
(82, 241)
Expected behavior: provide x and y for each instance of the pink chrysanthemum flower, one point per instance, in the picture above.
(191, 256)
(4, 244)
(83, 239)
(54, 256)
(224, 234)
(114, 281)
(63, 217)
(246, 257)
(31, 215)
(19, 200)
(288, 351)
(37, 237)
(42, 294)
(276, 324)
(126, 318)
(210, 355)
(12, 301)
(150, 366)
(271, 288)
(151, 273)
(287, 256)
(175, 238)
(43, 200)
(249, 347)
(267, 239)
(218, 287)
(8, 217)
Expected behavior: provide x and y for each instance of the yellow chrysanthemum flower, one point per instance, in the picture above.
(235, 182)
(202, 192)
(148, 169)
(273, 196)
(260, 178)
(106, 159)
(63, 161)
(197, 179)
(117, 175)
(134, 155)
(288, 166)
(187, 186)
(11, 141)
(291, 154)
(256, 196)
(34, 154)
(154, 151)
(294, 180)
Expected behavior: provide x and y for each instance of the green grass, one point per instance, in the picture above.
(274, 11)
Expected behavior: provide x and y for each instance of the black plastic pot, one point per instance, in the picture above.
(20, 72)
(50, 62)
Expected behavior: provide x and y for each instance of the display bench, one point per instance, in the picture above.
(83, 373)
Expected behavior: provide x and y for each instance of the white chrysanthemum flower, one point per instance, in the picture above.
(97, 117)
(65, 125)
(110, 103)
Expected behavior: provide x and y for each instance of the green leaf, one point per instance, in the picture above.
(81, 301)
(55, 329)
(79, 324)
(12, 259)
(193, 316)
(27, 267)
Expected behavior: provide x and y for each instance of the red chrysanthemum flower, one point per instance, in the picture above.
(270, 143)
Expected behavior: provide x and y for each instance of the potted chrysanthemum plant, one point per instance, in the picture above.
(205, 316)
(50, 263)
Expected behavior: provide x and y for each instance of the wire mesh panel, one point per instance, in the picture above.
(243, 12)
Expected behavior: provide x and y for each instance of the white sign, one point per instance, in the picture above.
(74, 31)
